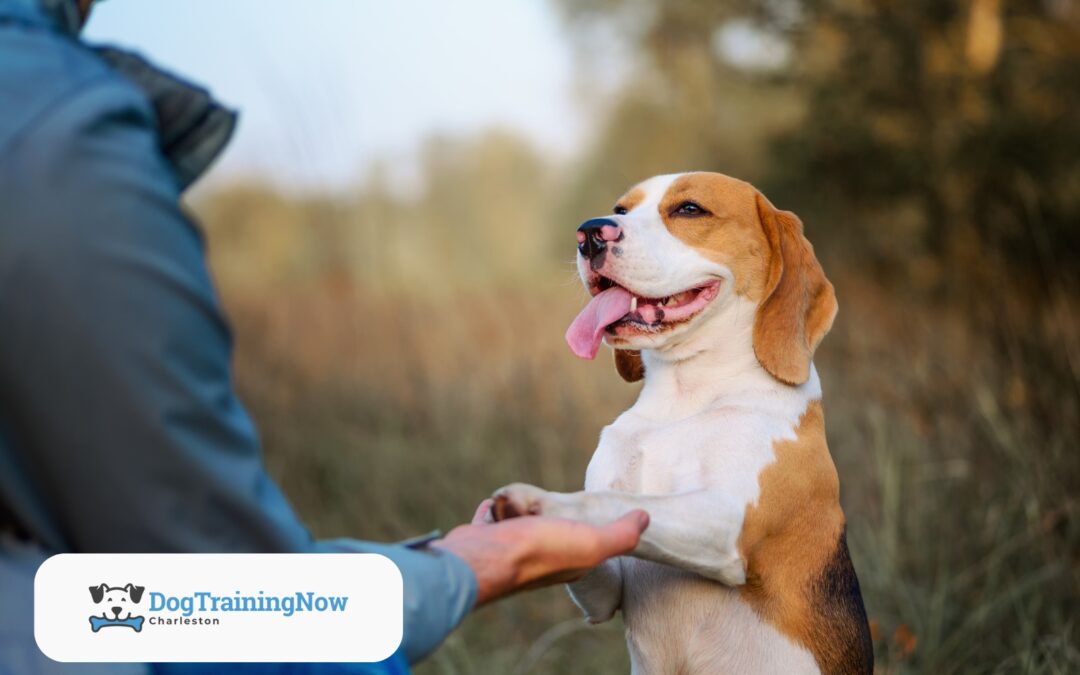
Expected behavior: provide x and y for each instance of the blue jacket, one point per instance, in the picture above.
(119, 427)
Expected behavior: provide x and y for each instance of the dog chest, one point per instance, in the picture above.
(725, 448)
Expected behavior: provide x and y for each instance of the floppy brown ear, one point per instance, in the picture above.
(799, 303)
(629, 365)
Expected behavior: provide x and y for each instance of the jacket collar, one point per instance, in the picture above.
(192, 127)
(64, 15)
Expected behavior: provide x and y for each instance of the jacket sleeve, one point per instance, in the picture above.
(440, 589)
(115, 366)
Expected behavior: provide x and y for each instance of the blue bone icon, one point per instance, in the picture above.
(97, 623)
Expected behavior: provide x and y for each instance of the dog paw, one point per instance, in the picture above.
(516, 500)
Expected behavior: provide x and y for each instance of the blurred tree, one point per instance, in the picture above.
(486, 206)
(965, 111)
(479, 210)
(931, 130)
(682, 106)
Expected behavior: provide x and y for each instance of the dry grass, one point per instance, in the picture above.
(403, 356)
(385, 417)
(387, 414)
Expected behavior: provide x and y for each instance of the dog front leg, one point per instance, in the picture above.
(599, 593)
(696, 531)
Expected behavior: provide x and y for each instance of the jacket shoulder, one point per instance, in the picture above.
(40, 70)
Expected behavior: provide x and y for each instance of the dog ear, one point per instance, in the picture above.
(135, 592)
(97, 593)
(629, 365)
(799, 303)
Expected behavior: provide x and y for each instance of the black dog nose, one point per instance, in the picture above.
(116, 611)
(594, 234)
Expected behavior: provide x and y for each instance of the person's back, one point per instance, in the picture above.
(110, 387)
(54, 91)
(40, 70)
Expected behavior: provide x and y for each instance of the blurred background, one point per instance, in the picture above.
(392, 235)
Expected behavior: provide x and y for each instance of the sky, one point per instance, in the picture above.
(324, 87)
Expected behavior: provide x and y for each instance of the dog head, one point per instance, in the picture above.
(680, 251)
(118, 601)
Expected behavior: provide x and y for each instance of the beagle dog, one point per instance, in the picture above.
(715, 298)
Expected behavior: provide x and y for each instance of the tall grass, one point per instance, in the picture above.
(387, 414)
(402, 354)
(385, 417)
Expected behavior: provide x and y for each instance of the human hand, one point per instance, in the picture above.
(535, 551)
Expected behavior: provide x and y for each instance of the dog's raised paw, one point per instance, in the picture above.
(516, 500)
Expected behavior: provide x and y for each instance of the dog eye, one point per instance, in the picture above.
(689, 209)
(620, 210)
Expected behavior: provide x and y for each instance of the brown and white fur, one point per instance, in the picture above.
(744, 567)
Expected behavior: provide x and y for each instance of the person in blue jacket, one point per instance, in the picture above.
(119, 427)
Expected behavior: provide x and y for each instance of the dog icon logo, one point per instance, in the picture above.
(119, 602)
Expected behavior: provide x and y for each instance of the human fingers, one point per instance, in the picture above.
(483, 513)
(555, 545)
(621, 536)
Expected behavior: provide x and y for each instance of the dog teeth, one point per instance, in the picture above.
(676, 299)
(669, 301)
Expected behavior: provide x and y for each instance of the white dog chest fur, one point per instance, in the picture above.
(674, 617)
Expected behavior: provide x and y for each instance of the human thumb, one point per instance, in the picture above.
(622, 536)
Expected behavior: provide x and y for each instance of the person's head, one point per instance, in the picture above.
(84, 8)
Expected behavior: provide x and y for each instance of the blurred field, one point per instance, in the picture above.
(385, 413)
(401, 347)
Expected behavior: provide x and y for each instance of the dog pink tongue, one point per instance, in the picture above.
(587, 331)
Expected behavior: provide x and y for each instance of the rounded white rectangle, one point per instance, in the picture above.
(331, 607)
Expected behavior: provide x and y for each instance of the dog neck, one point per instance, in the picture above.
(712, 364)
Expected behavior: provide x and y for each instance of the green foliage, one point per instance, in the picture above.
(965, 110)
